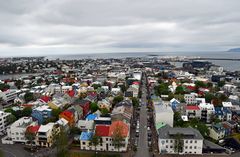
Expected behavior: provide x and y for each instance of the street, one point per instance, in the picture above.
(15, 150)
(142, 150)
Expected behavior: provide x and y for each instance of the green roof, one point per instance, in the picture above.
(159, 125)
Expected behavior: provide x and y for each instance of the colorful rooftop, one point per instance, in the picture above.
(86, 136)
(102, 130)
(192, 108)
(91, 117)
(119, 125)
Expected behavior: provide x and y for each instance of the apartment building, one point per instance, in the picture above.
(179, 140)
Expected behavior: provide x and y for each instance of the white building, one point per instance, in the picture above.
(45, 135)
(163, 113)
(3, 121)
(9, 95)
(207, 110)
(16, 131)
(179, 141)
(190, 98)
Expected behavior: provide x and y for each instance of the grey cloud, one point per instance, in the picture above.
(70, 26)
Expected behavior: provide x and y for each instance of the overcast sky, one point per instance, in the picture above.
(40, 27)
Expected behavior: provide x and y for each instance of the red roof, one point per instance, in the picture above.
(71, 93)
(67, 113)
(45, 99)
(191, 87)
(136, 83)
(192, 108)
(102, 130)
(33, 129)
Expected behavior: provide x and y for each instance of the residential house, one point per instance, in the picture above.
(45, 134)
(217, 131)
(122, 113)
(193, 111)
(106, 134)
(85, 104)
(105, 103)
(174, 103)
(69, 116)
(163, 113)
(85, 140)
(16, 131)
(41, 113)
(190, 98)
(207, 110)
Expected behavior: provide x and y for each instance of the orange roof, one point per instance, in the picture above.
(67, 113)
(121, 125)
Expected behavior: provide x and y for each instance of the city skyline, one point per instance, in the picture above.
(34, 28)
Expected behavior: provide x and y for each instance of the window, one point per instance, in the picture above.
(195, 152)
(171, 141)
(190, 147)
(186, 147)
(186, 141)
(171, 146)
(166, 141)
(166, 146)
(190, 141)
(83, 143)
(106, 139)
(195, 141)
(195, 147)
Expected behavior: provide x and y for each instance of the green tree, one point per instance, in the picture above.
(178, 144)
(104, 112)
(221, 83)
(209, 97)
(117, 99)
(199, 84)
(55, 113)
(4, 86)
(27, 111)
(95, 141)
(179, 90)
(178, 122)
(11, 118)
(200, 126)
(162, 89)
(93, 107)
(135, 102)
(30, 136)
(117, 137)
(28, 97)
(96, 86)
(61, 143)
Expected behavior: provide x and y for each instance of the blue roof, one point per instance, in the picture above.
(227, 110)
(91, 117)
(86, 136)
(218, 111)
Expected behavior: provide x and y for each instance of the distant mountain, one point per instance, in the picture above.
(234, 50)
